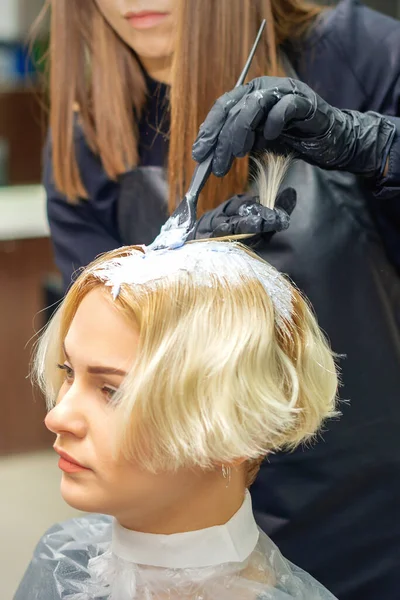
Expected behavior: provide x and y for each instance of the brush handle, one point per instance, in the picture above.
(200, 176)
(243, 74)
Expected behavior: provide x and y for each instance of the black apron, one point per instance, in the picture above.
(142, 204)
(332, 508)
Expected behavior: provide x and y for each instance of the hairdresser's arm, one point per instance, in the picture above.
(83, 230)
(271, 110)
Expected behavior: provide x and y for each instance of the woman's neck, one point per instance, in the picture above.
(208, 505)
(231, 542)
(158, 68)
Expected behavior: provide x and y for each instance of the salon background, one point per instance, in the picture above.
(29, 477)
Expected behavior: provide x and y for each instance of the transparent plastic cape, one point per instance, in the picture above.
(73, 562)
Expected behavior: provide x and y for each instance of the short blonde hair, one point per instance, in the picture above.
(217, 379)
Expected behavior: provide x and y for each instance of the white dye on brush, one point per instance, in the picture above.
(172, 235)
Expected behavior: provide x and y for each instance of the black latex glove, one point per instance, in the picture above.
(244, 214)
(273, 108)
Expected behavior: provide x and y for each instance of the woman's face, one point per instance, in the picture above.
(147, 26)
(100, 347)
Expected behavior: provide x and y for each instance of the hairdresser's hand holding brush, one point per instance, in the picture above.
(283, 110)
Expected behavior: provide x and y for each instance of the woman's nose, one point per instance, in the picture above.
(66, 416)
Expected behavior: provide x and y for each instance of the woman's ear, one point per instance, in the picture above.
(234, 464)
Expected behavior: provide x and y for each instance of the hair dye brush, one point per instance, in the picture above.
(179, 225)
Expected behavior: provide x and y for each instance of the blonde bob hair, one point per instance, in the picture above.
(220, 376)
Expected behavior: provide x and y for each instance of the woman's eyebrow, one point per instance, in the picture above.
(98, 369)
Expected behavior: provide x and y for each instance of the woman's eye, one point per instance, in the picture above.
(109, 391)
(69, 373)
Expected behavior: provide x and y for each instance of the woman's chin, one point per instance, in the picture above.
(78, 496)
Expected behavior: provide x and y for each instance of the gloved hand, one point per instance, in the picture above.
(252, 116)
(244, 214)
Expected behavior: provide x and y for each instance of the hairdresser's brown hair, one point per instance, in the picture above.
(101, 75)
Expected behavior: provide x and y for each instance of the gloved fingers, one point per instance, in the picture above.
(257, 218)
(210, 129)
(251, 114)
(222, 168)
(288, 111)
(256, 98)
(224, 152)
(255, 108)
(251, 207)
(237, 136)
(262, 220)
(286, 200)
(223, 230)
(211, 220)
(241, 204)
(279, 221)
(275, 219)
(251, 224)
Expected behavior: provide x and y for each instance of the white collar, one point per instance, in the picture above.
(232, 542)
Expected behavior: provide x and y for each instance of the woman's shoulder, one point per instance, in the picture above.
(288, 580)
(352, 57)
(76, 534)
(59, 566)
(351, 23)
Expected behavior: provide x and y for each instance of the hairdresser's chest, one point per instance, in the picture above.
(142, 204)
(143, 192)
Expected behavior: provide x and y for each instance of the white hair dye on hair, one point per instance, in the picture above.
(231, 362)
(209, 264)
(216, 378)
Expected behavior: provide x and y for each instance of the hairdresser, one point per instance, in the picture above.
(341, 248)
(129, 90)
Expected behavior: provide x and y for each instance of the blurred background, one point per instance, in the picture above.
(29, 477)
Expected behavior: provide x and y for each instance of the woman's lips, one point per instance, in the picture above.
(145, 19)
(68, 464)
(69, 467)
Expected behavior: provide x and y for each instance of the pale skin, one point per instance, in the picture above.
(154, 44)
(85, 425)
